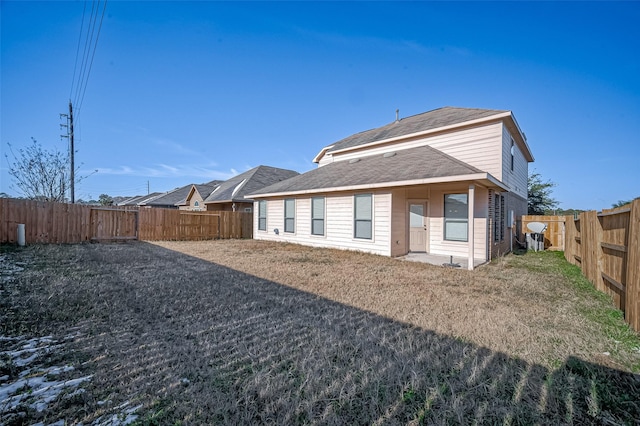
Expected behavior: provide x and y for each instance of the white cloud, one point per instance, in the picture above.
(165, 170)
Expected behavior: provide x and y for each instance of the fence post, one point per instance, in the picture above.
(632, 296)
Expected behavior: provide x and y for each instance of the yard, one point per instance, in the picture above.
(241, 331)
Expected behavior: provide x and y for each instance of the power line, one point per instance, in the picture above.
(83, 62)
(88, 53)
(75, 66)
(93, 54)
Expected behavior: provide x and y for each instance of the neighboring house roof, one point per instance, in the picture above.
(175, 196)
(412, 166)
(235, 189)
(437, 119)
(139, 199)
(169, 198)
(204, 189)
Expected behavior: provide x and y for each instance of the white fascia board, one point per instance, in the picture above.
(523, 138)
(424, 133)
(318, 157)
(444, 179)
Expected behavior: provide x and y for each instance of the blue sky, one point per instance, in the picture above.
(187, 92)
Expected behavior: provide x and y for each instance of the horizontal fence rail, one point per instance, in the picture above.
(47, 222)
(606, 246)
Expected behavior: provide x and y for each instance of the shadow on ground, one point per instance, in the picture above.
(197, 343)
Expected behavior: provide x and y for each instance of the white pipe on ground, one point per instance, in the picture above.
(21, 238)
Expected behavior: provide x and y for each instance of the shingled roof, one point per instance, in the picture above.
(235, 189)
(434, 119)
(179, 195)
(391, 169)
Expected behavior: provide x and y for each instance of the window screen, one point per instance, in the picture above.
(317, 216)
(456, 217)
(289, 215)
(262, 215)
(363, 216)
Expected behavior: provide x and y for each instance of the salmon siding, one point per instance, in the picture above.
(449, 160)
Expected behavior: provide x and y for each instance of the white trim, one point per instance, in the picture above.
(373, 215)
(324, 217)
(284, 218)
(317, 158)
(471, 226)
(369, 186)
(237, 188)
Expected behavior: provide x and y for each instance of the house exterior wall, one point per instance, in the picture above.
(339, 222)
(437, 243)
(515, 179)
(479, 146)
(228, 207)
(191, 206)
(512, 202)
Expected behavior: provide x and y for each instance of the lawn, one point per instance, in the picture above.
(240, 332)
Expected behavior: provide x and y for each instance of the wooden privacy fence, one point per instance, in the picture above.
(554, 235)
(47, 222)
(606, 246)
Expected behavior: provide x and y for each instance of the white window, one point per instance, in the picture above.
(513, 152)
(262, 215)
(289, 215)
(456, 217)
(317, 216)
(362, 216)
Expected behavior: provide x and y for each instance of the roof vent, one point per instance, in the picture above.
(388, 154)
(354, 160)
(397, 115)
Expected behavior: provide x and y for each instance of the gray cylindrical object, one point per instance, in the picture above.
(21, 238)
(535, 241)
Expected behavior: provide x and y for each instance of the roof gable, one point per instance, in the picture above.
(176, 196)
(437, 118)
(203, 189)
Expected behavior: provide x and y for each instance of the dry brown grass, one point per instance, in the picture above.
(524, 313)
(252, 332)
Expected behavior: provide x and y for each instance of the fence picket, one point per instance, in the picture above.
(68, 223)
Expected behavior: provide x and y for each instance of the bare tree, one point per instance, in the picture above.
(38, 173)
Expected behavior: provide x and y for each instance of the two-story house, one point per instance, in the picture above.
(449, 181)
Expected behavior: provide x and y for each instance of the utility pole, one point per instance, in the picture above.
(72, 154)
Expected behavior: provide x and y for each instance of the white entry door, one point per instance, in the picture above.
(418, 226)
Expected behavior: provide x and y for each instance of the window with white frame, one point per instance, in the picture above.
(317, 216)
(262, 215)
(513, 153)
(363, 216)
(289, 215)
(456, 217)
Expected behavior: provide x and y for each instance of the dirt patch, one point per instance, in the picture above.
(254, 332)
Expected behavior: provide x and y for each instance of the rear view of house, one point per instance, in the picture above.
(449, 181)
